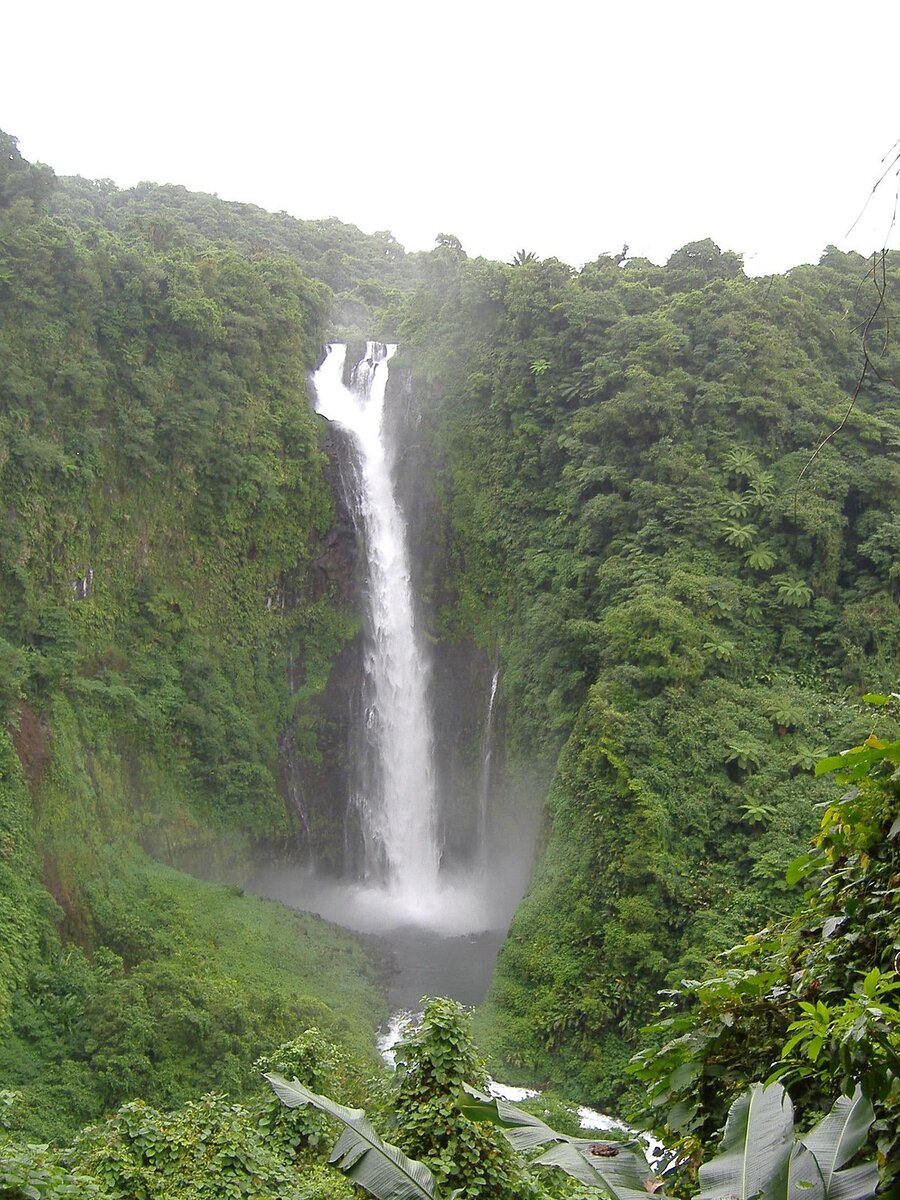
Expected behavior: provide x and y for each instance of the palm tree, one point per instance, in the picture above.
(762, 489)
(723, 650)
(736, 506)
(760, 558)
(741, 463)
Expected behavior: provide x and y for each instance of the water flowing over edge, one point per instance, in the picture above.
(396, 876)
(394, 792)
(484, 788)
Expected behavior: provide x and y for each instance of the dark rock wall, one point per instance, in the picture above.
(316, 749)
(461, 672)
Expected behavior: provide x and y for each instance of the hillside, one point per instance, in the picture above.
(164, 500)
(682, 612)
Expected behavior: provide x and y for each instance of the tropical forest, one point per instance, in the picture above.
(450, 737)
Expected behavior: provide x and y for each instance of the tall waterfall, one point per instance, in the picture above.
(395, 799)
(439, 880)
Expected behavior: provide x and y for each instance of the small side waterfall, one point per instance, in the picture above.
(395, 792)
(484, 788)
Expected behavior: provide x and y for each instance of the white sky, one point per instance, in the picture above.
(563, 128)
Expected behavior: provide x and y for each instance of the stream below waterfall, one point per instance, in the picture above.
(589, 1118)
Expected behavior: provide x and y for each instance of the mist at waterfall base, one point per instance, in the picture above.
(472, 900)
(441, 926)
(444, 945)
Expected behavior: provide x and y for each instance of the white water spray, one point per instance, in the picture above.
(397, 800)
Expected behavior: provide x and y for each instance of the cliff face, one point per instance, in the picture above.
(175, 561)
(173, 580)
(318, 744)
(680, 590)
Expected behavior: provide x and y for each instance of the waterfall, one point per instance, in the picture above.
(484, 790)
(442, 910)
(395, 792)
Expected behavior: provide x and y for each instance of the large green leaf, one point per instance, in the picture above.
(838, 1136)
(836, 1139)
(616, 1170)
(855, 1183)
(804, 1179)
(359, 1152)
(755, 1158)
(623, 1175)
(760, 1156)
(523, 1130)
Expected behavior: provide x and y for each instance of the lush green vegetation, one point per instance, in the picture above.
(184, 984)
(161, 500)
(364, 271)
(161, 496)
(210, 1147)
(685, 622)
(691, 623)
(812, 1000)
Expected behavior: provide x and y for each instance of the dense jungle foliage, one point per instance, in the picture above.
(684, 619)
(675, 609)
(448, 1138)
(162, 498)
(814, 1000)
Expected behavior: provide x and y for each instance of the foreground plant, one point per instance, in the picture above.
(359, 1152)
(761, 1156)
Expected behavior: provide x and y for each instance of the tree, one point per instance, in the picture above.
(695, 264)
(448, 241)
(815, 998)
(21, 178)
(433, 1062)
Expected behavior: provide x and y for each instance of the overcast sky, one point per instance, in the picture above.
(563, 128)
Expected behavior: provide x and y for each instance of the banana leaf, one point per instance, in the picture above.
(617, 1171)
(836, 1139)
(622, 1176)
(761, 1156)
(757, 1149)
(523, 1130)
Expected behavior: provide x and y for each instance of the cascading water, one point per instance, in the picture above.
(395, 797)
(440, 912)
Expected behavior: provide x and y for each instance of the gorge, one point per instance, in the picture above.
(440, 911)
(627, 622)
